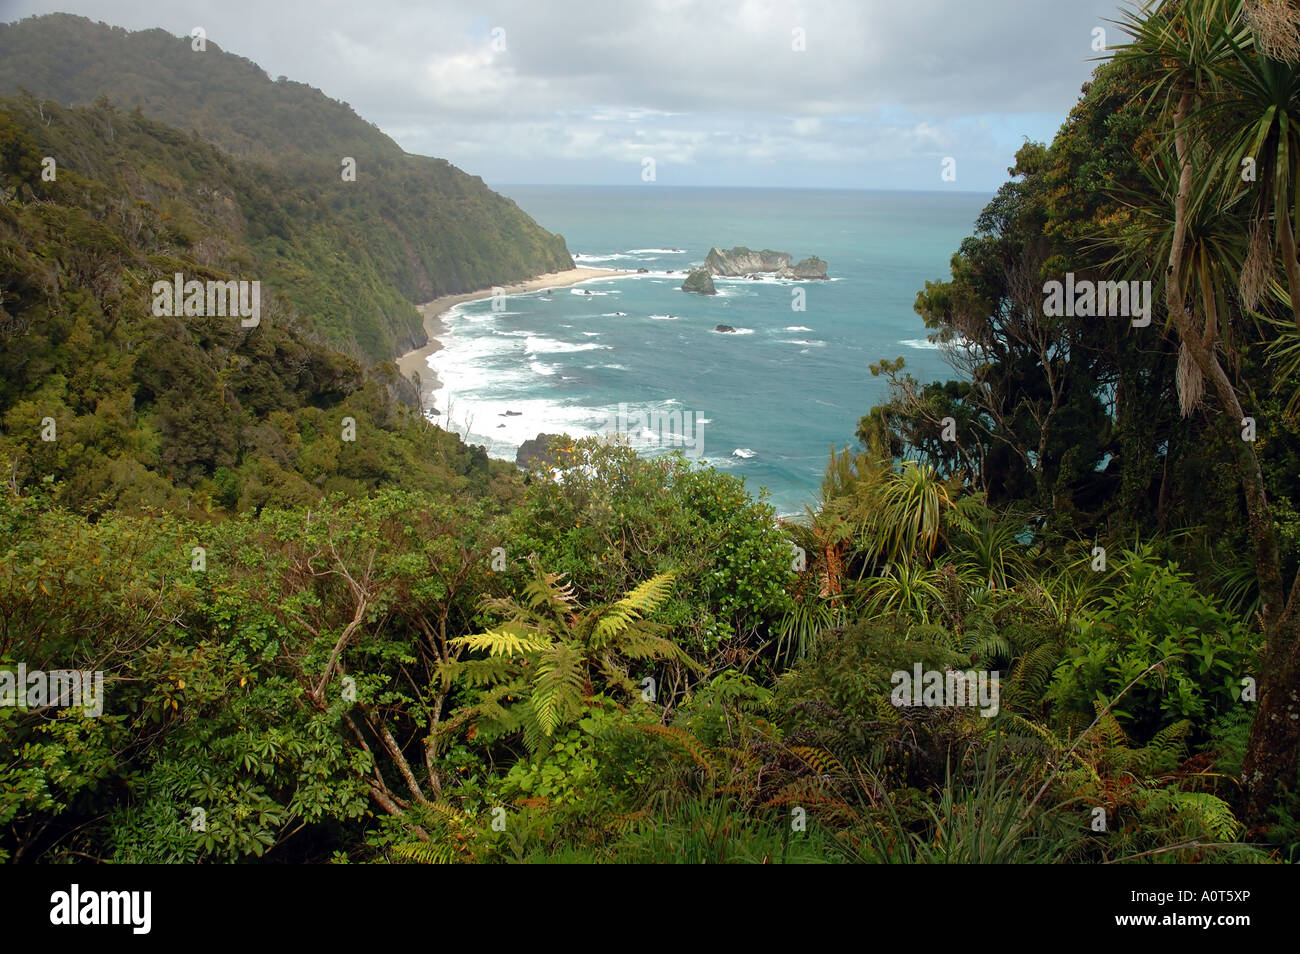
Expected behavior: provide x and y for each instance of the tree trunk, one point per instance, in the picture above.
(1271, 753)
(1274, 746)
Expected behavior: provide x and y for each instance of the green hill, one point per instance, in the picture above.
(352, 255)
(151, 410)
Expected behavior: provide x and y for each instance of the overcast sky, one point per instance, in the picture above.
(582, 91)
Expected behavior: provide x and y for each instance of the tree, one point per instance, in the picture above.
(1218, 81)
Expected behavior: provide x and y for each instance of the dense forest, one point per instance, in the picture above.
(366, 642)
(353, 253)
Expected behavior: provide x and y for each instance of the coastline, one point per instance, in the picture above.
(433, 312)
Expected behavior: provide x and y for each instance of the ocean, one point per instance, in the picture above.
(766, 402)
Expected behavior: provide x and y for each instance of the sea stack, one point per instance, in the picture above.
(700, 282)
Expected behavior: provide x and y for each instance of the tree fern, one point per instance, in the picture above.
(551, 655)
(558, 688)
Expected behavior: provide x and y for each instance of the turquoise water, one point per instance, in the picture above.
(767, 402)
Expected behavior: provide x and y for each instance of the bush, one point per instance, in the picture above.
(1154, 617)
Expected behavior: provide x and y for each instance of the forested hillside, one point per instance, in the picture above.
(147, 409)
(409, 227)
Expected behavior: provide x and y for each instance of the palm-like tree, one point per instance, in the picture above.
(891, 514)
(906, 589)
(1220, 76)
(1212, 252)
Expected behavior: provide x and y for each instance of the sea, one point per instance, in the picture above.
(638, 355)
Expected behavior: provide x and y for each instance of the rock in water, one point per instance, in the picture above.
(809, 269)
(725, 329)
(537, 453)
(700, 282)
(741, 262)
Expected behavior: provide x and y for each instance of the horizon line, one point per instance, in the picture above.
(612, 185)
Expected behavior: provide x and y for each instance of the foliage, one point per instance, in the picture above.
(550, 656)
(1155, 617)
(351, 254)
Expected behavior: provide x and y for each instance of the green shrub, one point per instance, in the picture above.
(1154, 617)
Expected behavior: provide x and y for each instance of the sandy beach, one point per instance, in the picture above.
(417, 361)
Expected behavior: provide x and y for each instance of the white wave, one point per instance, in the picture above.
(539, 368)
(613, 256)
(551, 346)
(738, 331)
(654, 251)
(746, 280)
(744, 453)
(458, 310)
(592, 334)
(925, 344)
(472, 371)
(488, 315)
(481, 420)
(806, 344)
(665, 317)
(797, 328)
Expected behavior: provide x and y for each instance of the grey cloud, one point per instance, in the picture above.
(713, 81)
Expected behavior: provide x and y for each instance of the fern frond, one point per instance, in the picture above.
(1032, 673)
(640, 643)
(1041, 731)
(813, 791)
(480, 672)
(509, 640)
(1212, 812)
(558, 691)
(640, 602)
(426, 852)
(489, 706)
(544, 595)
(683, 739)
(820, 761)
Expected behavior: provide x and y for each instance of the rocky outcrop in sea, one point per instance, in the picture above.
(740, 262)
(700, 282)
